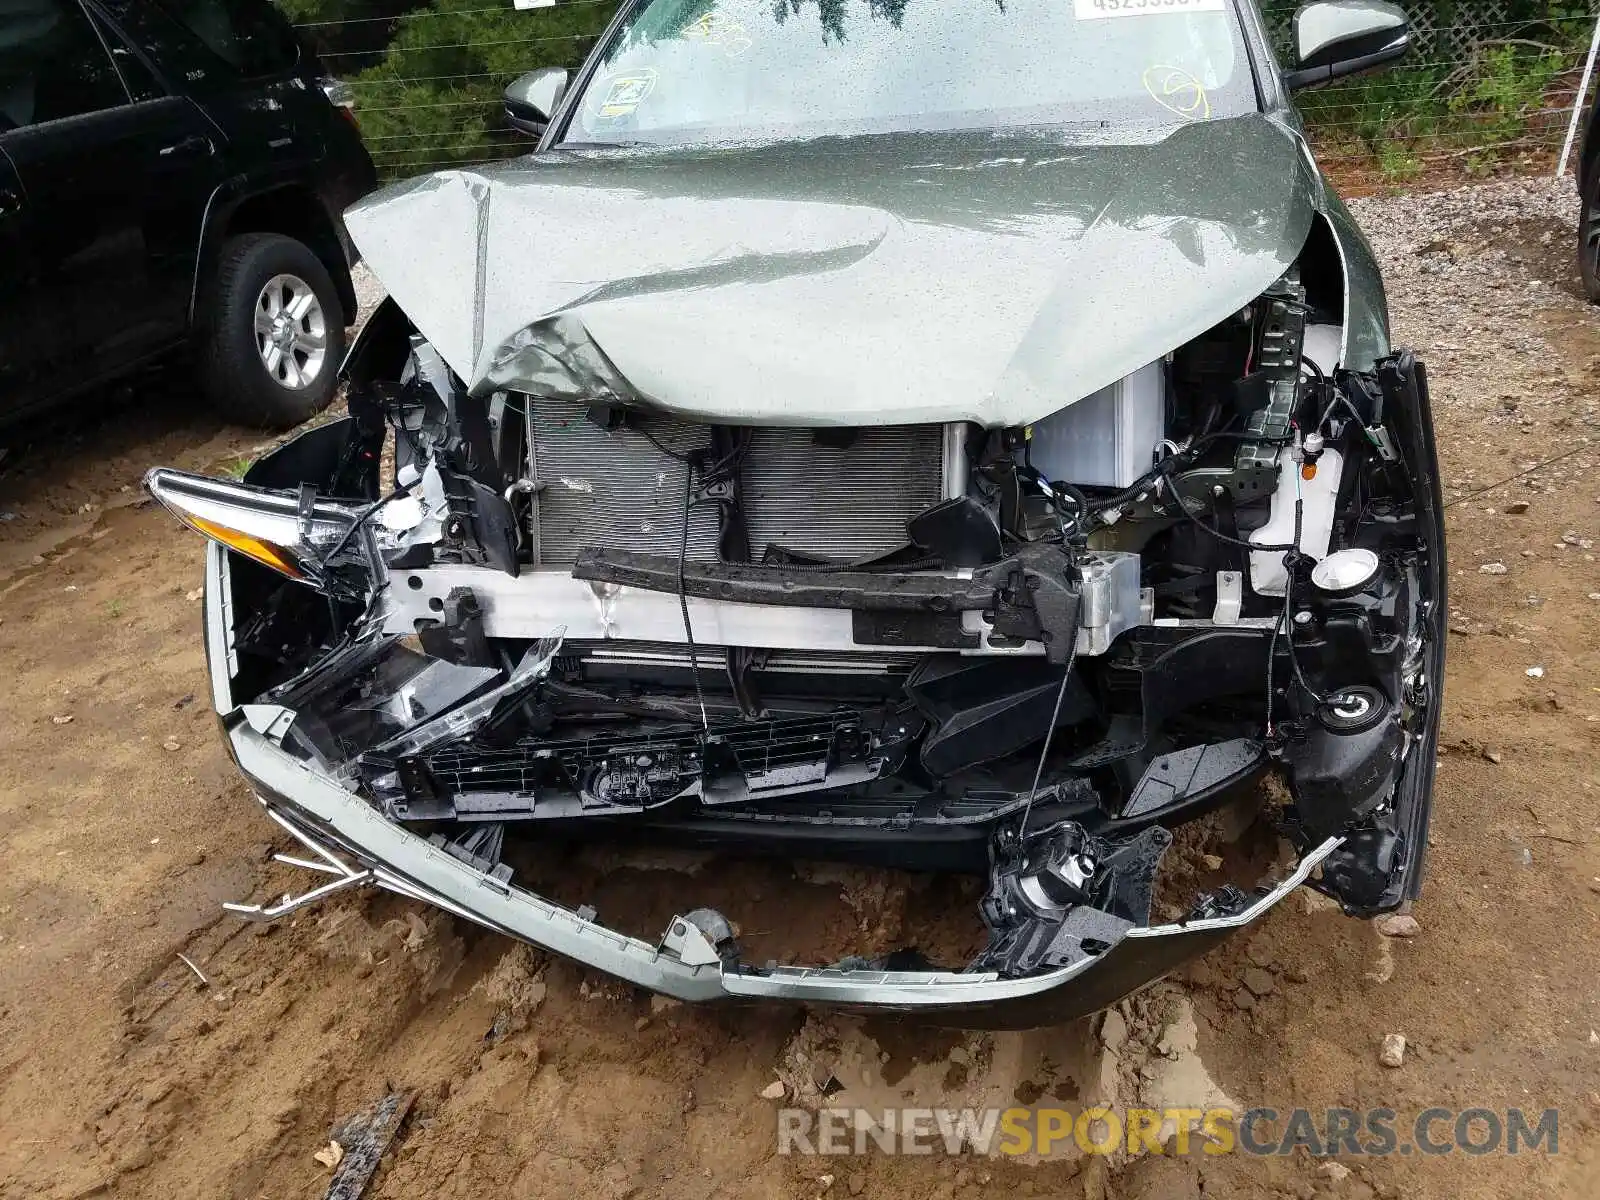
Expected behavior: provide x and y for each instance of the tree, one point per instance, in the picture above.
(432, 96)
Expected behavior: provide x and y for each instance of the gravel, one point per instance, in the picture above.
(1472, 293)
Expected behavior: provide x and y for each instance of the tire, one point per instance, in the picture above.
(1589, 234)
(270, 292)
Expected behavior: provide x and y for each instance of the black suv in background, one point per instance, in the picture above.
(172, 174)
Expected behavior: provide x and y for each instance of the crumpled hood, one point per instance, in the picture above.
(889, 279)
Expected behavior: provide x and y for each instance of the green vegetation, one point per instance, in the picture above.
(1473, 91)
(428, 75)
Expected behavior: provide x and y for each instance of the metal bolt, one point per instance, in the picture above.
(1303, 617)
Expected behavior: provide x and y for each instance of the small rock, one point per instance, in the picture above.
(857, 1183)
(1594, 1038)
(1335, 1171)
(1493, 756)
(1594, 595)
(417, 932)
(959, 1056)
(661, 1004)
(1260, 983)
(1213, 862)
(1242, 999)
(1534, 672)
(776, 1090)
(64, 719)
(191, 597)
(1393, 1053)
(330, 1155)
(1113, 1030)
(172, 744)
(826, 1181)
(1398, 925)
(1493, 568)
(824, 1080)
(1517, 507)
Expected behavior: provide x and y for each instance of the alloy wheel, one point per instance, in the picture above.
(291, 331)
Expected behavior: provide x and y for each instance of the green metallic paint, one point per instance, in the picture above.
(986, 275)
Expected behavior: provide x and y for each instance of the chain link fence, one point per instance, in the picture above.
(1489, 84)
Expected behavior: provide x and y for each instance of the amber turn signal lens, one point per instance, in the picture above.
(264, 553)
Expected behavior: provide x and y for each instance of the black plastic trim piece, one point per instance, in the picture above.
(786, 586)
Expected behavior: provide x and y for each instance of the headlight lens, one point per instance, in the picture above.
(303, 537)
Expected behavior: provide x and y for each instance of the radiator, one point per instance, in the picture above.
(846, 502)
(844, 498)
(613, 489)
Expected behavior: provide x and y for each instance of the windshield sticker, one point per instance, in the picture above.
(727, 34)
(1097, 10)
(1178, 91)
(627, 92)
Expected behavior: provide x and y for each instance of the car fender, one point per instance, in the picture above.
(1366, 309)
(324, 234)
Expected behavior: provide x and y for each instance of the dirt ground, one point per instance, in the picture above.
(123, 826)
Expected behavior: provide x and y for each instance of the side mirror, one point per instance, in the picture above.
(531, 99)
(1340, 37)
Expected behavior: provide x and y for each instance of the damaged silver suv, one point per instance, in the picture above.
(963, 436)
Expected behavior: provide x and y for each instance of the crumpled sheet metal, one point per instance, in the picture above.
(900, 278)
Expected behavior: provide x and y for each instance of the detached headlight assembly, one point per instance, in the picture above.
(309, 539)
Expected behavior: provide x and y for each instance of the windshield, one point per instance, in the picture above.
(695, 70)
